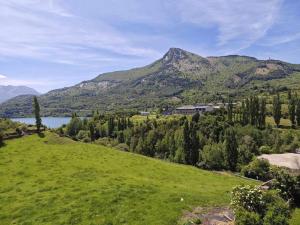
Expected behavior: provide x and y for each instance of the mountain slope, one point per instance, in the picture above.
(8, 92)
(179, 77)
(55, 180)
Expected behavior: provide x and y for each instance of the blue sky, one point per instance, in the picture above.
(48, 44)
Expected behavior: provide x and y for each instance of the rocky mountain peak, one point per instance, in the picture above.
(174, 55)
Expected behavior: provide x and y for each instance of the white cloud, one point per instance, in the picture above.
(240, 23)
(2, 76)
(44, 30)
(282, 39)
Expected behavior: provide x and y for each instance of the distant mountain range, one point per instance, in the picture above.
(10, 91)
(179, 77)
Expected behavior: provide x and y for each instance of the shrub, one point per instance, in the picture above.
(247, 197)
(244, 217)
(123, 147)
(212, 157)
(255, 207)
(83, 135)
(257, 169)
(265, 149)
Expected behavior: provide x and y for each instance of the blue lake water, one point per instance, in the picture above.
(50, 122)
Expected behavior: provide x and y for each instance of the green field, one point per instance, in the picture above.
(54, 180)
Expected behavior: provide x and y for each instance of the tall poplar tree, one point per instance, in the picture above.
(277, 109)
(38, 120)
(298, 111)
(231, 149)
(186, 141)
(292, 111)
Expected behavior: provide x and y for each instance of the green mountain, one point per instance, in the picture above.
(179, 77)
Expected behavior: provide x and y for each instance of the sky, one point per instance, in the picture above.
(49, 44)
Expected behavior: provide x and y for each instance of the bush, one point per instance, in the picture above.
(255, 207)
(244, 217)
(83, 135)
(212, 157)
(123, 147)
(265, 149)
(257, 169)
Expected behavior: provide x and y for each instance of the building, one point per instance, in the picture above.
(191, 109)
(145, 113)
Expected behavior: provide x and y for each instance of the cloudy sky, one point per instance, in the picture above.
(47, 44)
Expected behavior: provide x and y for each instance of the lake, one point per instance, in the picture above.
(50, 122)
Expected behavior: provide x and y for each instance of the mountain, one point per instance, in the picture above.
(179, 77)
(8, 92)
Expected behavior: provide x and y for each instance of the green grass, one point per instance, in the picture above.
(295, 217)
(54, 180)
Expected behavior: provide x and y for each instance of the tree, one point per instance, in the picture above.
(194, 144)
(92, 131)
(74, 126)
(212, 157)
(230, 111)
(1, 138)
(298, 111)
(231, 148)
(262, 113)
(186, 141)
(196, 117)
(292, 111)
(277, 109)
(38, 120)
(110, 127)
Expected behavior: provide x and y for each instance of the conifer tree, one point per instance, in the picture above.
(38, 120)
(292, 111)
(230, 111)
(186, 141)
(298, 111)
(194, 144)
(277, 109)
(231, 148)
(262, 113)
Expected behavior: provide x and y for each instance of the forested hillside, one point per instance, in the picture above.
(180, 77)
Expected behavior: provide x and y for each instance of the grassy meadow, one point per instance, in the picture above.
(53, 180)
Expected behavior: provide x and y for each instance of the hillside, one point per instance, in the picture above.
(54, 180)
(8, 92)
(179, 77)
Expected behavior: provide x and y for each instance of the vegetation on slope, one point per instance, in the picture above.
(179, 77)
(54, 180)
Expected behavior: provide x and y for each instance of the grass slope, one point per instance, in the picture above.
(54, 180)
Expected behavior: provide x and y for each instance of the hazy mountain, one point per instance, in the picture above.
(179, 77)
(8, 92)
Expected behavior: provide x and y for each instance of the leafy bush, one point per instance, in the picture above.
(252, 206)
(257, 169)
(265, 149)
(83, 135)
(212, 157)
(244, 217)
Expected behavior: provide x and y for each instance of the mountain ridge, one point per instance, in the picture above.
(179, 77)
(10, 91)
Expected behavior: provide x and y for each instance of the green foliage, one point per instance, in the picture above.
(244, 217)
(258, 169)
(277, 109)
(74, 126)
(253, 206)
(38, 120)
(212, 157)
(231, 149)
